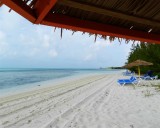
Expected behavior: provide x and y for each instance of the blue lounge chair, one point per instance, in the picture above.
(144, 76)
(150, 73)
(128, 73)
(150, 77)
(133, 80)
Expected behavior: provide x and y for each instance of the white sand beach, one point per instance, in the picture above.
(90, 102)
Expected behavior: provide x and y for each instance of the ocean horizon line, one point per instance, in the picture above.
(60, 68)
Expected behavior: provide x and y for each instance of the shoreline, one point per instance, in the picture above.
(37, 85)
(91, 102)
(43, 84)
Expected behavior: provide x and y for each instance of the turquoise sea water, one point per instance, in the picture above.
(10, 78)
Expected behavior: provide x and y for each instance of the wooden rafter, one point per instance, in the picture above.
(21, 8)
(111, 13)
(63, 21)
(42, 7)
(1, 3)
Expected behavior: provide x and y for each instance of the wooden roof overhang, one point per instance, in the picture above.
(129, 19)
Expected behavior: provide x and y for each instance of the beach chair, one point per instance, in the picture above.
(150, 73)
(133, 80)
(128, 73)
(147, 76)
(151, 77)
(143, 77)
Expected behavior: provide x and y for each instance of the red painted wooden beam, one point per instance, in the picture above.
(63, 21)
(1, 3)
(42, 8)
(21, 8)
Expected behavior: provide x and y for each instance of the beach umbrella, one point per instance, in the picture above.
(138, 63)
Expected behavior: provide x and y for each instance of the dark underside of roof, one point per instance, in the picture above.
(139, 15)
(143, 9)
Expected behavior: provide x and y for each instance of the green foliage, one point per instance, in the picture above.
(158, 74)
(147, 52)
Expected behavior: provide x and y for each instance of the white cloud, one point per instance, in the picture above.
(95, 49)
(3, 44)
(103, 43)
(33, 52)
(2, 36)
(46, 41)
(89, 57)
(37, 42)
(9, 21)
(100, 44)
(52, 53)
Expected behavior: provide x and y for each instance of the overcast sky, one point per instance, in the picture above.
(25, 45)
